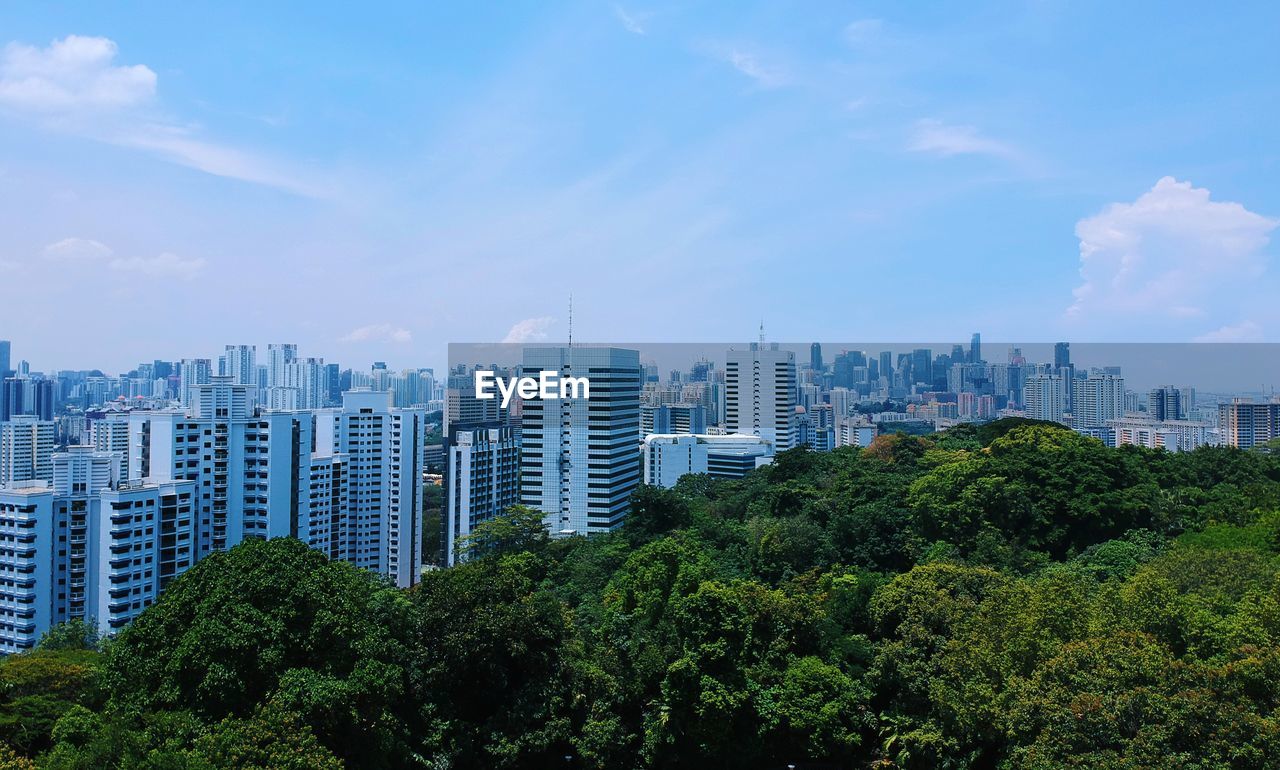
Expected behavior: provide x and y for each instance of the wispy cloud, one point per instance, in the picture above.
(631, 21)
(938, 138)
(529, 330)
(166, 265)
(75, 86)
(749, 63)
(77, 249)
(384, 332)
(862, 31)
(1245, 331)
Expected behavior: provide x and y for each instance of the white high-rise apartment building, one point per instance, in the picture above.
(80, 474)
(26, 450)
(1099, 398)
(111, 434)
(307, 377)
(86, 548)
(145, 539)
(279, 356)
(192, 372)
(760, 394)
(382, 451)
(1044, 397)
(246, 465)
(482, 478)
(242, 364)
(580, 460)
(26, 559)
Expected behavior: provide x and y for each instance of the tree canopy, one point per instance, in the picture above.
(1012, 595)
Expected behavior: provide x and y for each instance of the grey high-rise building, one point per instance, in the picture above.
(1061, 355)
(1170, 403)
(975, 348)
(922, 366)
(5, 352)
(761, 393)
(886, 364)
(580, 459)
(815, 356)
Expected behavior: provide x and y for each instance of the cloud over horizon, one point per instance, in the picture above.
(1172, 255)
(383, 332)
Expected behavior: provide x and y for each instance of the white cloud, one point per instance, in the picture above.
(73, 73)
(938, 138)
(862, 31)
(377, 333)
(632, 22)
(1245, 331)
(73, 86)
(1172, 254)
(749, 64)
(166, 265)
(529, 330)
(77, 249)
(9, 266)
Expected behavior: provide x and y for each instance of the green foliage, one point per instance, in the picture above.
(274, 621)
(75, 634)
(518, 529)
(38, 687)
(1011, 595)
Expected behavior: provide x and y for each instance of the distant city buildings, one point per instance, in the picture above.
(113, 485)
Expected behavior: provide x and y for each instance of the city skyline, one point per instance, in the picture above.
(1028, 169)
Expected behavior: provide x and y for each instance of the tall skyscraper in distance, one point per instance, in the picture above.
(1061, 355)
(580, 458)
(922, 366)
(886, 364)
(975, 348)
(5, 352)
(1170, 403)
(815, 357)
(761, 394)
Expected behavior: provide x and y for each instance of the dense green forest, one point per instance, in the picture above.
(1009, 596)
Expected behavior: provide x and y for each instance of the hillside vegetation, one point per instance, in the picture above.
(1010, 596)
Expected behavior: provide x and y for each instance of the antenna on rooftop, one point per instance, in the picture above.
(570, 319)
(761, 331)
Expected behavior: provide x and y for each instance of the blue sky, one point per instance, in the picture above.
(375, 183)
